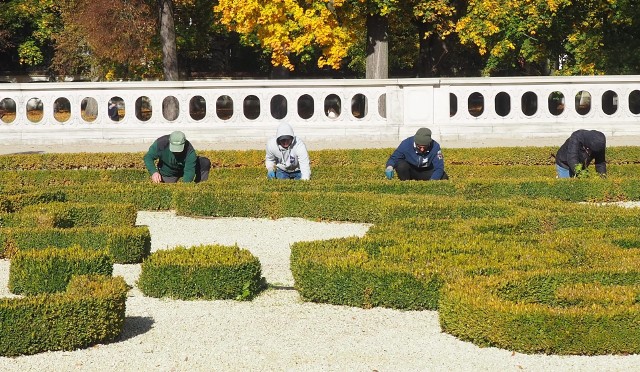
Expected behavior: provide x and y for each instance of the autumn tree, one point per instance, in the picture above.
(26, 28)
(553, 36)
(287, 27)
(109, 39)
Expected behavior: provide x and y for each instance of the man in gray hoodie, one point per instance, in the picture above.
(286, 156)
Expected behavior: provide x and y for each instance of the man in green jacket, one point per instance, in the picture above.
(176, 158)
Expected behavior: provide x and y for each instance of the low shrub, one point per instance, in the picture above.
(203, 272)
(50, 270)
(65, 215)
(124, 244)
(587, 312)
(91, 311)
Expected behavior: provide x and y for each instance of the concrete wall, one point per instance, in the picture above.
(370, 110)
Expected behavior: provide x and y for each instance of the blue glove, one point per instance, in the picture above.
(389, 173)
(271, 175)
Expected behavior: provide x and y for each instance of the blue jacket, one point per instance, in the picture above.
(431, 159)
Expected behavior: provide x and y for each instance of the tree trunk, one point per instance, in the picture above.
(378, 53)
(377, 47)
(432, 51)
(168, 40)
(169, 55)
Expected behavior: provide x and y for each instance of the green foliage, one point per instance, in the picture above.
(202, 272)
(560, 312)
(502, 215)
(50, 270)
(91, 311)
(65, 215)
(124, 244)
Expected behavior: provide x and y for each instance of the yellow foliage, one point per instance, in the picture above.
(287, 27)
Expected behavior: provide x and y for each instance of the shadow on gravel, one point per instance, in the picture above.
(134, 326)
(282, 288)
(26, 153)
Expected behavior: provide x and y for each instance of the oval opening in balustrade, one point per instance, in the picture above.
(382, 105)
(116, 108)
(170, 108)
(224, 107)
(197, 107)
(634, 102)
(503, 104)
(359, 106)
(475, 103)
(7, 110)
(61, 109)
(332, 106)
(144, 110)
(35, 110)
(556, 103)
(89, 109)
(305, 106)
(610, 102)
(529, 102)
(278, 107)
(453, 105)
(583, 102)
(251, 107)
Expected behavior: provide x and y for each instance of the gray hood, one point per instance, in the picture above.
(284, 130)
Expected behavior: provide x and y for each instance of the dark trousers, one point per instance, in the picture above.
(203, 166)
(407, 171)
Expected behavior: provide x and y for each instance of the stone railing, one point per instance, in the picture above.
(247, 110)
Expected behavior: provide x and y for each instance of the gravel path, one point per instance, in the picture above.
(277, 331)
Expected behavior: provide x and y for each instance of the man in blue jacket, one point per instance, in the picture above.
(417, 158)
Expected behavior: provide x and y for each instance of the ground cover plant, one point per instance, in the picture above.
(509, 255)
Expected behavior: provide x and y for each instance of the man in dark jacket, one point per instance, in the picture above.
(417, 158)
(176, 158)
(579, 150)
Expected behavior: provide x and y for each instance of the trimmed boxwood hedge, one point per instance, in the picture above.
(555, 312)
(202, 272)
(50, 270)
(91, 311)
(124, 244)
(502, 215)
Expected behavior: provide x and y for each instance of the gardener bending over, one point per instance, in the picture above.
(417, 158)
(176, 158)
(579, 150)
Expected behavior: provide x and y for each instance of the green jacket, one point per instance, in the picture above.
(171, 164)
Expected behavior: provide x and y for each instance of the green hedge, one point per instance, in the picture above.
(344, 158)
(91, 311)
(555, 312)
(65, 215)
(350, 272)
(50, 270)
(124, 244)
(202, 272)
(502, 210)
(16, 200)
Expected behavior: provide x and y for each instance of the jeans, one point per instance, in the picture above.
(282, 175)
(562, 172)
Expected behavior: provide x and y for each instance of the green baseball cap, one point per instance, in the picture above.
(176, 141)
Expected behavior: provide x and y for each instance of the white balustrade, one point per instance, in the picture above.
(390, 109)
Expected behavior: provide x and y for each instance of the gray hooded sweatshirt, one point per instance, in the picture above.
(290, 159)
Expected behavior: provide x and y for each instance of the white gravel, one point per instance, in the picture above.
(277, 331)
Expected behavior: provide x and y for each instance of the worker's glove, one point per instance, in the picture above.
(389, 172)
(271, 174)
